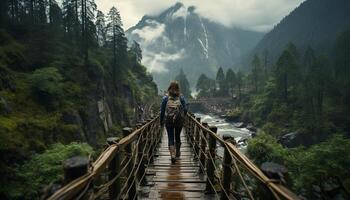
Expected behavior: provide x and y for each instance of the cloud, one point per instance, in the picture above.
(260, 15)
(157, 62)
(151, 32)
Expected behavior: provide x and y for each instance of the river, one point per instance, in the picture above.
(241, 135)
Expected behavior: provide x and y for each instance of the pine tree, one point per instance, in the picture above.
(239, 79)
(286, 74)
(266, 63)
(136, 52)
(221, 81)
(256, 73)
(184, 84)
(101, 28)
(231, 81)
(116, 38)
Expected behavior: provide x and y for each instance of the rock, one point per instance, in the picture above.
(295, 139)
(251, 128)
(275, 171)
(240, 125)
(4, 107)
(75, 167)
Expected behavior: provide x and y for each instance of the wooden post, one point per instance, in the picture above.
(114, 167)
(151, 137)
(128, 154)
(210, 163)
(203, 145)
(196, 139)
(74, 168)
(140, 160)
(227, 172)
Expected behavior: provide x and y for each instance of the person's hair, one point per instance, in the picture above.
(174, 89)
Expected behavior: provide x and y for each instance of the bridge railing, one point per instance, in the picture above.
(119, 169)
(231, 175)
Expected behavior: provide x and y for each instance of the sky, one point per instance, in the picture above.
(258, 15)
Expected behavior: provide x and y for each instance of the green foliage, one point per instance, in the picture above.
(321, 163)
(231, 81)
(264, 148)
(184, 84)
(46, 84)
(205, 86)
(221, 82)
(257, 73)
(47, 167)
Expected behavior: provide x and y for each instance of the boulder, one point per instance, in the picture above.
(291, 140)
(275, 171)
(251, 127)
(295, 139)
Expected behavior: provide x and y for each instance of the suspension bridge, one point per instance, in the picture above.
(138, 166)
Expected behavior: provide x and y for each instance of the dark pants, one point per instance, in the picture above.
(171, 131)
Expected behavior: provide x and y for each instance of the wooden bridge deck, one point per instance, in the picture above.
(181, 180)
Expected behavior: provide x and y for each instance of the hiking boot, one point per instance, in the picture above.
(178, 153)
(172, 153)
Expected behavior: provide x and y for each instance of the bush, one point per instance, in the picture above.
(321, 164)
(46, 85)
(46, 167)
(264, 148)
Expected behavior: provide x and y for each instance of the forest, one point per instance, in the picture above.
(70, 78)
(301, 105)
(56, 63)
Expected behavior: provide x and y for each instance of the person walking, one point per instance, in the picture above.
(172, 114)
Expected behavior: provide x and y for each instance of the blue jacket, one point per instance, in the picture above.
(163, 106)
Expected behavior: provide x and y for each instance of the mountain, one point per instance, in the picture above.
(180, 38)
(315, 23)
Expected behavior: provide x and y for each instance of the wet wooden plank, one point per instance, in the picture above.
(174, 181)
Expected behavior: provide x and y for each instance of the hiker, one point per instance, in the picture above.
(172, 115)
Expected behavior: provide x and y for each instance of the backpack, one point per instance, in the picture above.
(174, 112)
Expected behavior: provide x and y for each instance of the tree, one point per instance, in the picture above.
(266, 63)
(184, 84)
(256, 73)
(240, 83)
(286, 74)
(88, 30)
(205, 86)
(101, 28)
(220, 80)
(231, 81)
(116, 39)
(136, 52)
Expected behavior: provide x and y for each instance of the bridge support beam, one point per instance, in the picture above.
(114, 167)
(211, 162)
